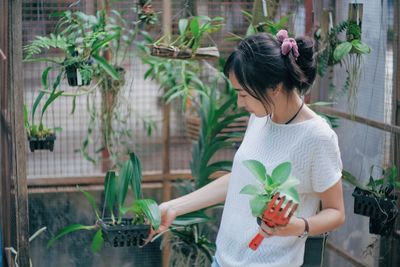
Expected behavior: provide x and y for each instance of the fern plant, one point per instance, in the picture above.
(80, 38)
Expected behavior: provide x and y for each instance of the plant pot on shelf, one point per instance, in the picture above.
(124, 234)
(42, 143)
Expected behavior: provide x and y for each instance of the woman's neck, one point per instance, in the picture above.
(287, 109)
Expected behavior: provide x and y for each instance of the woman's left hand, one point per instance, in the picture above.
(295, 227)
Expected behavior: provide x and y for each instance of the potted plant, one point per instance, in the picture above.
(80, 38)
(279, 181)
(39, 136)
(188, 43)
(377, 199)
(115, 229)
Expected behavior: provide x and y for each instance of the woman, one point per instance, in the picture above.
(270, 73)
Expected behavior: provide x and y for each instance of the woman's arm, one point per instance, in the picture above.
(211, 194)
(329, 218)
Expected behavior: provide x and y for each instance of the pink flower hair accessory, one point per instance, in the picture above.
(288, 44)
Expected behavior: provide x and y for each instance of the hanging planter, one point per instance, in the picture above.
(377, 200)
(124, 233)
(188, 44)
(368, 204)
(75, 77)
(42, 143)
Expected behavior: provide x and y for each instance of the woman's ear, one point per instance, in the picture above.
(278, 89)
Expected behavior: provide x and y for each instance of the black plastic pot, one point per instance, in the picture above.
(125, 234)
(72, 76)
(367, 204)
(46, 143)
(383, 228)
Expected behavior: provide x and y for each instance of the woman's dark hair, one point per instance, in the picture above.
(258, 65)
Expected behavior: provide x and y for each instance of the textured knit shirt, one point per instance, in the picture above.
(312, 148)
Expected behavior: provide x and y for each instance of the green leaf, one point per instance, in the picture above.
(257, 169)
(125, 178)
(91, 201)
(100, 43)
(258, 204)
(251, 189)
(350, 179)
(195, 27)
(136, 180)
(51, 98)
(342, 50)
(97, 241)
(151, 210)
(360, 47)
(35, 105)
(251, 30)
(110, 190)
(291, 194)
(290, 183)
(26, 118)
(281, 173)
(45, 75)
(69, 229)
(106, 67)
(182, 25)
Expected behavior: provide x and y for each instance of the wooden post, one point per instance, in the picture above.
(392, 244)
(5, 134)
(17, 127)
(167, 25)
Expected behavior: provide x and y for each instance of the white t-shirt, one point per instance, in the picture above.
(312, 148)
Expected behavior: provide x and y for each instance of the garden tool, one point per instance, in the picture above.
(274, 215)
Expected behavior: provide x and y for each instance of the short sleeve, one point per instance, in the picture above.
(326, 166)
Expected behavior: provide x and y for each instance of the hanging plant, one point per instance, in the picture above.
(377, 199)
(39, 136)
(348, 53)
(188, 43)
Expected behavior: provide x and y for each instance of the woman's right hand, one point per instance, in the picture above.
(168, 215)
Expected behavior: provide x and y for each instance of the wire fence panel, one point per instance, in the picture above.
(142, 98)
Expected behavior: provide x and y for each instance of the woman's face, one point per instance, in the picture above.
(246, 101)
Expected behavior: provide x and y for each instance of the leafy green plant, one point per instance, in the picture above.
(268, 185)
(348, 53)
(189, 41)
(267, 25)
(116, 191)
(39, 136)
(382, 186)
(80, 38)
(216, 114)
